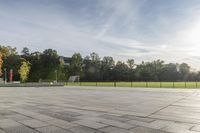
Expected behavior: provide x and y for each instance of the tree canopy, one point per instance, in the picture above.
(24, 70)
(47, 65)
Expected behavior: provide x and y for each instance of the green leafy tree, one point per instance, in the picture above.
(36, 66)
(13, 62)
(170, 72)
(184, 70)
(62, 74)
(76, 64)
(1, 63)
(49, 63)
(107, 65)
(7, 51)
(25, 53)
(24, 70)
(120, 71)
(92, 67)
(131, 63)
(95, 57)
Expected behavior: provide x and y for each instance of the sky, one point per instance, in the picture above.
(124, 29)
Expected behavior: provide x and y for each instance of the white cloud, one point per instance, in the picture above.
(114, 28)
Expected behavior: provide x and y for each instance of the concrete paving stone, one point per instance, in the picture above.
(111, 129)
(20, 129)
(192, 113)
(2, 117)
(65, 117)
(178, 128)
(90, 124)
(146, 130)
(52, 129)
(6, 112)
(47, 112)
(23, 111)
(158, 124)
(62, 123)
(69, 113)
(113, 117)
(30, 107)
(7, 123)
(144, 119)
(195, 128)
(176, 118)
(17, 117)
(32, 114)
(117, 124)
(42, 117)
(2, 131)
(89, 112)
(58, 115)
(34, 123)
(90, 118)
(158, 108)
(84, 129)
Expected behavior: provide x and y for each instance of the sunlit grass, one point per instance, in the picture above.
(138, 84)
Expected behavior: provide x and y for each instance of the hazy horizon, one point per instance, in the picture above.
(139, 29)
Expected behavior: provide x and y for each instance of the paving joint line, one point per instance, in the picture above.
(172, 103)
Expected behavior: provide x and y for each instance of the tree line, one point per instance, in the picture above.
(48, 66)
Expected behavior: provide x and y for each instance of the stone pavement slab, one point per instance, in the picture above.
(1, 131)
(84, 129)
(20, 129)
(111, 129)
(91, 124)
(52, 129)
(7, 123)
(195, 128)
(33, 123)
(61, 123)
(17, 117)
(99, 110)
(146, 130)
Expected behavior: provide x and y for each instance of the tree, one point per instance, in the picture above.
(49, 62)
(62, 73)
(36, 66)
(184, 70)
(76, 64)
(13, 62)
(7, 51)
(150, 71)
(45, 64)
(95, 57)
(92, 65)
(158, 66)
(24, 70)
(108, 62)
(106, 68)
(170, 72)
(144, 72)
(1, 63)
(120, 71)
(25, 52)
(130, 63)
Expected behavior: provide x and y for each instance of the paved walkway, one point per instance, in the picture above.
(99, 110)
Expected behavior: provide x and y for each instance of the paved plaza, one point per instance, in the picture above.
(99, 110)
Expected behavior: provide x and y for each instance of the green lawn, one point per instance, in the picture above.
(138, 84)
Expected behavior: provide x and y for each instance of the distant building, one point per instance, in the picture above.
(66, 60)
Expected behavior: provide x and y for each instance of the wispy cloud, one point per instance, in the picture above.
(140, 29)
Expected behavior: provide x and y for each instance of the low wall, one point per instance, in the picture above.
(31, 84)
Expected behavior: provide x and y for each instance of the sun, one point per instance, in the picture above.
(189, 38)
